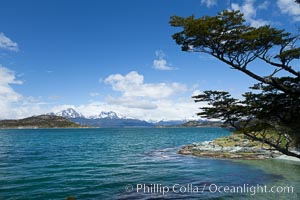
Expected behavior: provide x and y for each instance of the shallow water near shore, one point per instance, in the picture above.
(113, 163)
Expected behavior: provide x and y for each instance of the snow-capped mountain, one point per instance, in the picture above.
(72, 113)
(104, 119)
(69, 113)
(109, 115)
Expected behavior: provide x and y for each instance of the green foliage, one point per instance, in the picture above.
(273, 104)
(227, 38)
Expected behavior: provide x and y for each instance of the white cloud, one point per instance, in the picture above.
(165, 109)
(134, 99)
(147, 101)
(12, 104)
(209, 3)
(161, 63)
(132, 85)
(132, 102)
(289, 7)
(196, 92)
(94, 94)
(7, 44)
(249, 13)
(140, 100)
(58, 108)
(7, 94)
(264, 5)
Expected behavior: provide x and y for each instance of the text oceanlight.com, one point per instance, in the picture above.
(210, 188)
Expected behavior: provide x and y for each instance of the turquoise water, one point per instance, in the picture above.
(102, 163)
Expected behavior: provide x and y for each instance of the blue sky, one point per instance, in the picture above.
(115, 55)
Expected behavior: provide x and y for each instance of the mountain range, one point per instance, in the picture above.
(111, 119)
(103, 119)
(71, 113)
(71, 118)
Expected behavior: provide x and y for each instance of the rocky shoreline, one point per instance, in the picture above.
(235, 146)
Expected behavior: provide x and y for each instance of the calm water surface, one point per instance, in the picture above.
(104, 163)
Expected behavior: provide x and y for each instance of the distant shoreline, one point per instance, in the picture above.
(33, 128)
(175, 127)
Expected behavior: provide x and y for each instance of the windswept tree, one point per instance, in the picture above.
(270, 111)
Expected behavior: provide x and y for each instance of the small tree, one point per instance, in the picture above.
(271, 111)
